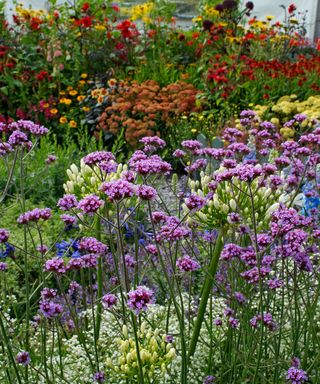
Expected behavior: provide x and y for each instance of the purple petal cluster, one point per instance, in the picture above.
(90, 204)
(35, 215)
(140, 298)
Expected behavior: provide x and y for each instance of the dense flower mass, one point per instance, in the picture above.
(140, 298)
(35, 215)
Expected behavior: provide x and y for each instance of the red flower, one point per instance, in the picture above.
(291, 8)
(115, 8)
(86, 21)
(266, 96)
(85, 7)
(41, 75)
(35, 23)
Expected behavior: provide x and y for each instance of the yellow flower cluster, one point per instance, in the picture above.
(142, 11)
(155, 353)
(210, 12)
(29, 13)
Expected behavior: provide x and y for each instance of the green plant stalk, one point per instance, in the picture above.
(207, 287)
(100, 282)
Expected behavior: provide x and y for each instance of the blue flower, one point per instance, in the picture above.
(68, 248)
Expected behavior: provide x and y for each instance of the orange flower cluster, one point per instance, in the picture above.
(145, 109)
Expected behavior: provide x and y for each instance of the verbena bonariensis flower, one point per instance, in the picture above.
(4, 235)
(98, 157)
(99, 377)
(5, 148)
(186, 264)
(90, 260)
(68, 219)
(3, 266)
(92, 245)
(50, 159)
(109, 300)
(195, 202)
(90, 204)
(50, 309)
(48, 293)
(18, 138)
(296, 376)
(145, 192)
(67, 202)
(196, 165)
(151, 165)
(191, 145)
(23, 358)
(173, 230)
(209, 380)
(140, 298)
(151, 143)
(29, 126)
(118, 189)
(267, 321)
(55, 265)
(35, 215)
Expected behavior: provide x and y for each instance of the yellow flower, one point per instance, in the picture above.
(72, 124)
(100, 99)
(63, 120)
(269, 17)
(86, 109)
(46, 105)
(112, 82)
(62, 93)
(69, 88)
(100, 27)
(141, 10)
(81, 83)
(67, 101)
(53, 111)
(83, 75)
(80, 98)
(61, 101)
(193, 130)
(73, 93)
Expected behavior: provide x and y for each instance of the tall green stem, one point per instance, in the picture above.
(207, 287)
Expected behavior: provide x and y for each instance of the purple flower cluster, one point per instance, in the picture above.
(35, 215)
(195, 202)
(118, 189)
(151, 144)
(267, 321)
(144, 165)
(296, 376)
(109, 300)
(145, 192)
(140, 298)
(23, 358)
(92, 245)
(50, 309)
(4, 235)
(173, 230)
(186, 264)
(55, 265)
(90, 204)
(98, 157)
(67, 202)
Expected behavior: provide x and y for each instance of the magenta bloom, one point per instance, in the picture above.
(98, 157)
(173, 230)
(90, 204)
(67, 202)
(118, 189)
(4, 235)
(68, 219)
(35, 215)
(3, 266)
(140, 298)
(146, 193)
(50, 309)
(109, 300)
(296, 376)
(92, 245)
(23, 358)
(55, 265)
(186, 264)
(195, 202)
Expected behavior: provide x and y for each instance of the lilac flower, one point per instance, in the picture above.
(98, 157)
(68, 219)
(195, 202)
(186, 264)
(152, 249)
(75, 264)
(31, 127)
(50, 309)
(231, 251)
(146, 192)
(99, 377)
(241, 299)
(296, 376)
(158, 217)
(209, 380)
(55, 265)
(92, 245)
(35, 215)
(109, 300)
(118, 189)
(5, 148)
(51, 159)
(274, 283)
(67, 202)
(130, 261)
(90, 260)
(178, 153)
(248, 113)
(267, 321)
(42, 248)
(252, 275)
(191, 145)
(153, 164)
(3, 266)
(90, 204)
(152, 142)
(23, 358)
(48, 293)
(4, 235)
(173, 230)
(218, 322)
(239, 148)
(17, 138)
(140, 298)
(195, 166)
(234, 323)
